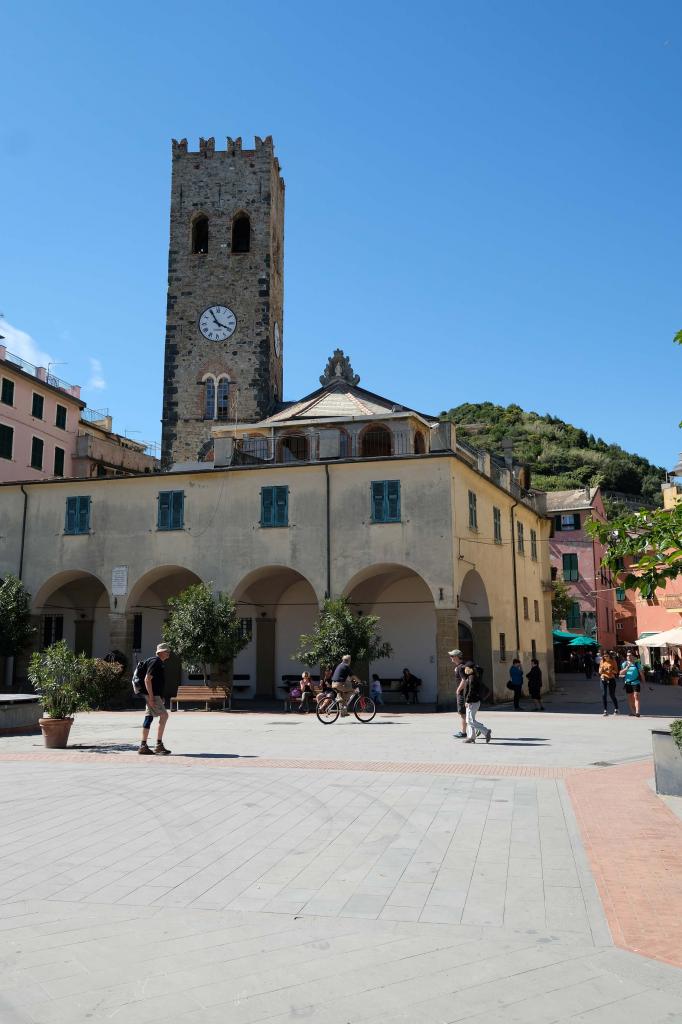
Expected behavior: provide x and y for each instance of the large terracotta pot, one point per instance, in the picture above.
(56, 731)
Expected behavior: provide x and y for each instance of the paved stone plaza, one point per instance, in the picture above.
(280, 870)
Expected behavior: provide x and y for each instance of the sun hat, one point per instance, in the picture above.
(163, 648)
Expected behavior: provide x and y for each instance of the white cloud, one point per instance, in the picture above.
(22, 344)
(97, 381)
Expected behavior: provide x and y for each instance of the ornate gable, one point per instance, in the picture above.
(338, 368)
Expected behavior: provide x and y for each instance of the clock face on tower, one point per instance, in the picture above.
(217, 323)
(278, 340)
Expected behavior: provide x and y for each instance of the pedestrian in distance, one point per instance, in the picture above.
(515, 683)
(608, 673)
(457, 659)
(588, 664)
(409, 686)
(307, 694)
(471, 690)
(633, 676)
(155, 685)
(375, 691)
(534, 678)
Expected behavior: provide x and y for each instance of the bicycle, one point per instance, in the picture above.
(361, 706)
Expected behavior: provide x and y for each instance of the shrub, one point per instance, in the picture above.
(60, 677)
(676, 732)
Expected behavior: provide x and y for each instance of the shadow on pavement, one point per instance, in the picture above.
(218, 756)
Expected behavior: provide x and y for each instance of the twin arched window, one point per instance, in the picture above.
(241, 234)
(216, 398)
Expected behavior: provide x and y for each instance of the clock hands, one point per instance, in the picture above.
(224, 326)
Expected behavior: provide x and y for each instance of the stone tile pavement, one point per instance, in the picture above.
(169, 889)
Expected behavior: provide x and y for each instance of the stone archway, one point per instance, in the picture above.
(278, 604)
(405, 605)
(73, 606)
(474, 612)
(146, 611)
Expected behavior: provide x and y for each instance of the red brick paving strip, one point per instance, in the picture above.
(70, 756)
(634, 845)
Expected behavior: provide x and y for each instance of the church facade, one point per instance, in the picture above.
(281, 504)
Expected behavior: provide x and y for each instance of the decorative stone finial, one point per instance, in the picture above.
(338, 368)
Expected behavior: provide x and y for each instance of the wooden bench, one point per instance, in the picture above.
(196, 694)
(391, 688)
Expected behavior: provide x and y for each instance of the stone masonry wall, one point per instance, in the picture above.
(220, 185)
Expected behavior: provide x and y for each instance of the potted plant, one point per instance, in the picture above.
(668, 759)
(63, 681)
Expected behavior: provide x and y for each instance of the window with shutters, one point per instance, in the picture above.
(77, 515)
(6, 441)
(171, 510)
(37, 406)
(570, 568)
(573, 618)
(274, 506)
(497, 526)
(520, 542)
(53, 629)
(525, 608)
(620, 593)
(536, 610)
(58, 461)
(473, 512)
(37, 446)
(534, 545)
(60, 417)
(386, 501)
(568, 521)
(7, 394)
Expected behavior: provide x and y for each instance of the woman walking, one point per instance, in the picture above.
(471, 688)
(632, 673)
(608, 673)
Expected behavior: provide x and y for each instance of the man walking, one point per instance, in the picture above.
(471, 689)
(155, 685)
(457, 659)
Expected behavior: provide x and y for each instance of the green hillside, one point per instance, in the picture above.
(560, 456)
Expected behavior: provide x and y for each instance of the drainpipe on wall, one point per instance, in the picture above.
(23, 532)
(329, 552)
(516, 592)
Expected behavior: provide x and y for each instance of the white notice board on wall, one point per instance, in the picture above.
(119, 581)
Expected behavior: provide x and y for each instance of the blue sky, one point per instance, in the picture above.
(483, 198)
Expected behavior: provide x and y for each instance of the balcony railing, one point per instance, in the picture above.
(319, 446)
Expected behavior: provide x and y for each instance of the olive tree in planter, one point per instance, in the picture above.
(204, 630)
(62, 679)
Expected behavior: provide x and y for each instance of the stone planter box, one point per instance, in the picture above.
(667, 763)
(19, 713)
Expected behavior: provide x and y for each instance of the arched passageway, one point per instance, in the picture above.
(277, 604)
(73, 606)
(147, 606)
(476, 621)
(404, 603)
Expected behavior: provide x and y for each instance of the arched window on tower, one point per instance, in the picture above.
(200, 235)
(222, 403)
(241, 233)
(209, 398)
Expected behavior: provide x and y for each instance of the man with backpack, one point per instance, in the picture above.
(471, 688)
(153, 691)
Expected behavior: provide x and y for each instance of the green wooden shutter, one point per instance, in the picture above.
(576, 520)
(281, 517)
(267, 506)
(557, 523)
(393, 501)
(177, 518)
(71, 515)
(163, 520)
(83, 515)
(378, 501)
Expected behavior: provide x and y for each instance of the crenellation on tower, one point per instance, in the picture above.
(225, 291)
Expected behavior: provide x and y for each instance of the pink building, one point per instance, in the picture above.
(576, 559)
(664, 610)
(39, 417)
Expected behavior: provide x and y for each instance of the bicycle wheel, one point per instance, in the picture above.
(328, 714)
(364, 708)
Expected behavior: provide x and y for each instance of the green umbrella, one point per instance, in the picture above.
(583, 641)
(559, 634)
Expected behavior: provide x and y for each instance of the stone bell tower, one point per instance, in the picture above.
(224, 333)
